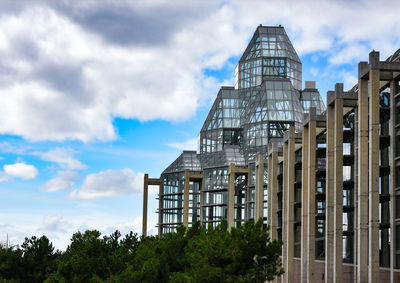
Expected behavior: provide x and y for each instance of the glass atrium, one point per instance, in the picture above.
(266, 100)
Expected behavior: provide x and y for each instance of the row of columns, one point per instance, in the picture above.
(366, 105)
(367, 200)
(374, 75)
(188, 176)
(233, 172)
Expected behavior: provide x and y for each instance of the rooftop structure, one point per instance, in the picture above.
(266, 100)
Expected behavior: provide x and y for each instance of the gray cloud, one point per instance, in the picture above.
(64, 78)
(135, 22)
(68, 68)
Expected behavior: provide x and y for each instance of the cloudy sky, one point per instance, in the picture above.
(95, 93)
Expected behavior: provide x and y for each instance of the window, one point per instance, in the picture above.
(233, 137)
(276, 129)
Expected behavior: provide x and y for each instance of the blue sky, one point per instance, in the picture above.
(96, 93)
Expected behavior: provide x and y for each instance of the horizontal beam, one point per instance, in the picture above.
(154, 181)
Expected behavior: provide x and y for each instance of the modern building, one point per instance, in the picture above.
(326, 180)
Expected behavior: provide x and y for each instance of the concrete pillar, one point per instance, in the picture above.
(330, 167)
(160, 206)
(186, 198)
(355, 195)
(373, 263)
(304, 207)
(311, 199)
(145, 203)
(272, 191)
(269, 188)
(392, 179)
(338, 191)
(289, 190)
(202, 199)
(231, 196)
(259, 188)
(362, 217)
(248, 196)
(285, 214)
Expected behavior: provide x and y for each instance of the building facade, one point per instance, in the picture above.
(325, 179)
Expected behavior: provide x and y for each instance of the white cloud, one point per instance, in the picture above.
(63, 157)
(20, 170)
(110, 183)
(350, 54)
(73, 78)
(126, 227)
(8, 148)
(55, 223)
(190, 144)
(349, 80)
(134, 226)
(64, 180)
(314, 71)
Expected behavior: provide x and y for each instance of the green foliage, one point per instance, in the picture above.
(10, 263)
(33, 262)
(90, 258)
(243, 254)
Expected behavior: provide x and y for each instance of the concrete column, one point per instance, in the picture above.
(186, 198)
(231, 196)
(145, 202)
(338, 191)
(373, 263)
(269, 188)
(285, 214)
(330, 167)
(259, 188)
(304, 207)
(289, 190)
(160, 206)
(248, 194)
(362, 217)
(202, 199)
(355, 195)
(311, 199)
(392, 179)
(272, 192)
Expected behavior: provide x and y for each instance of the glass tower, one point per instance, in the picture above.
(266, 100)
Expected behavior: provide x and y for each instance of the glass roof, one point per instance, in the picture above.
(311, 98)
(269, 54)
(265, 101)
(224, 114)
(187, 160)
